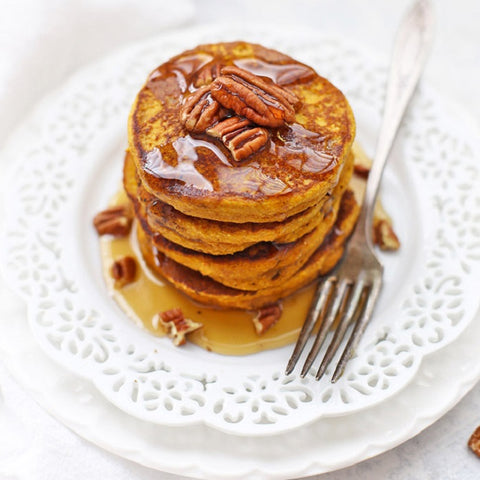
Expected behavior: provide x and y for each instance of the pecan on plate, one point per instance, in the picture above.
(253, 97)
(239, 136)
(361, 169)
(123, 271)
(267, 317)
(115, 221)
(384, 235)
(474, 442)
(362, 163)
(200, 110)
(176, 326)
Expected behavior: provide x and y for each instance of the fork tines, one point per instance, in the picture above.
(337, 301)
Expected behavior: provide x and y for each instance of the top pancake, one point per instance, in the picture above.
(197, 175)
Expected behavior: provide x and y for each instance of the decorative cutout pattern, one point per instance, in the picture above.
(148, 378)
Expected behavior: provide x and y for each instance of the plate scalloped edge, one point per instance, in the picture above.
(167, 388)
(78, 405)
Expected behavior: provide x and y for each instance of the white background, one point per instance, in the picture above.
(42, 42)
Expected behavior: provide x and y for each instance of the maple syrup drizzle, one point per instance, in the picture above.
(224, 331)
(201, 162)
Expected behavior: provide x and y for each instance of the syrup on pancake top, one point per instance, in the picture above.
(294, 131)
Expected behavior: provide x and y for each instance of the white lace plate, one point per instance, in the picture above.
(66, 162)
(201, 452)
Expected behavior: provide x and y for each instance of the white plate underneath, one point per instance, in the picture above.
(66, 161)
(443, 376)
(203, 452)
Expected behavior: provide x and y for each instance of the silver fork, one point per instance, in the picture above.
(351, 291)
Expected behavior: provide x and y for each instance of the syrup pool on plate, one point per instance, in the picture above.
(224, 331)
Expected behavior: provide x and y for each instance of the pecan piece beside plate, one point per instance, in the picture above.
(474, 442)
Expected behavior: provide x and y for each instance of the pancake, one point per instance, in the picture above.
(239, 168)
(265, 264)
(261, 265)
(207, 291)
(195, 173)
(220, 238)
(236, 239)
(210, 236)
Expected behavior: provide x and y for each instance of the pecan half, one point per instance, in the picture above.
(384, 235)
(207, 74)
(200, 110)
(123, 271)
(362, 163)
(115, 221)
(474, 442)
(244, 143)
(267, 317)
(228, 125)
(239, 136)
(253, 97)
(361, 170)
(176, 326)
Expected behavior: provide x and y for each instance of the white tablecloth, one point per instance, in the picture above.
(42, 42)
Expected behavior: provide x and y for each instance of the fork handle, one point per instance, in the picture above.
(409, 54)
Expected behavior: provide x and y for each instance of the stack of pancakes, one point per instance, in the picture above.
(246, 232)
